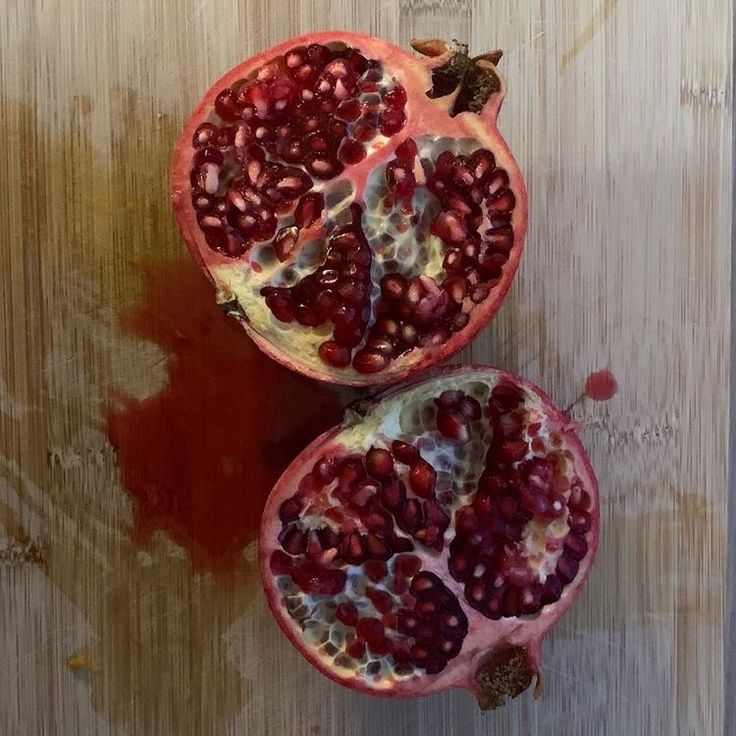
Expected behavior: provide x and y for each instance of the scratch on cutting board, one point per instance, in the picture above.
(526, 44)
(596, 23)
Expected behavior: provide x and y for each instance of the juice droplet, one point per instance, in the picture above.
(601, 385)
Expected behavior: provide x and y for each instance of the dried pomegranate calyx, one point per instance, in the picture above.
(506, 673)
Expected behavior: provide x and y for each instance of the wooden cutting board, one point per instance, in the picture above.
(128, 604)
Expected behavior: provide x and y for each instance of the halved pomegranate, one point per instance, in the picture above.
(432, 540)
(353, 204)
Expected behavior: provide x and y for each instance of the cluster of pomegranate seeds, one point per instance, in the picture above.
(304, 116)
(455, 413)
(436, 623)
(338, 291)
(370, 511)
(523, 496)
(474, 194)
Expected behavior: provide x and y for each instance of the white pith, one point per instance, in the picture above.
(412, 418)
(390, 236)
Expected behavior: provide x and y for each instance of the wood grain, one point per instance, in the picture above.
(620, 115)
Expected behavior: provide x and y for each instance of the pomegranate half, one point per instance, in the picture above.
(431, 540)
(353, 204)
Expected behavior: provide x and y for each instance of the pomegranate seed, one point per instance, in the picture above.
(324, 470)
(533, 501)
(453, 262)
(387, 327)
(370, 629)
(375, 570)
(449, 227)
(459, 321)
(497, 181)
(291, 509)
(284, 242)
(356, 649)
(407, 565)
(281, 307)
(347, 613)
(349, 110)
(333, 354)
(422, 478)
(461, 175)
(322, 165)
(551, 590)
(328, 538)
(280, 563)
(510, 424)
(555, 505)
(579, 499)
(217, 239)
(504, 202)
(226, 106)
(470, 408)
(210, 155)
(404, 452)
(449, 399)
(204, 134)
(393, 286)
(409, 335)
(399, 585)
(382, 601)
(434, 337)
(506, 396)
(481, 164)
(369, 361)
(364, 131)
(393, 494)
(452, 424)
(480, 293)
(410, 516)
(500, 239)
(350, 151)
(567, 568)
(391, 121)
(414, 292)
(293, 539)
(381, 345)
(351, 549)
(307, 316)
(395, 97)
(311, 578)
(576, 547)
(379, 463)
(579, 522)
(363, 493)
(407, 151)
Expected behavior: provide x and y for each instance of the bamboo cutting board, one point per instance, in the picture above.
(132, 414)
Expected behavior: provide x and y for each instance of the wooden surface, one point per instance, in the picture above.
(619, 112)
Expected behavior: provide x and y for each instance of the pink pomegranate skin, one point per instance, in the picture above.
(426, 120)
(499, 656)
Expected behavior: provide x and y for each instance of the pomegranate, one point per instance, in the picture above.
(353, 204)
(431, 540)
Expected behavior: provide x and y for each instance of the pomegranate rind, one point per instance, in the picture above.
(413, 73)
(485, 637)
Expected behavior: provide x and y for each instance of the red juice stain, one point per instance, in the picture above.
(200, 457)
(601, 385)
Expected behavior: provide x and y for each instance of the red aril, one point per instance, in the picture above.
(353, 203)
(402, 557)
